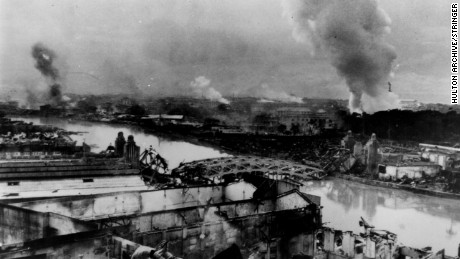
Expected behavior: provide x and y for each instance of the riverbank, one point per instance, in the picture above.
(398, 186)
(300, 149)
(396, 210)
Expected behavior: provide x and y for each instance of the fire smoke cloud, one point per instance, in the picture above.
(44, 58)
(351, 33)
(269, 94)
(200, 87)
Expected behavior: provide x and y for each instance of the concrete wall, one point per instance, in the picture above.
(69, 183)
(65, 173)
(352, 246)
(194, 227)
(18, 225)
(86, 246)
(62, 168)
(412, 172)
(206, 239)
(291, 201)
(129, 203)
(435, 157)
(239, 191)
(21, 190)
(203, 231)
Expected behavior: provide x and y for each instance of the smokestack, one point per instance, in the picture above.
(44, 58)
(351, 34)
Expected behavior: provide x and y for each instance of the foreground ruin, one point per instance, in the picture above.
(195, 222)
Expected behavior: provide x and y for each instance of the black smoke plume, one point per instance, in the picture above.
(44, 58)
(351, 34)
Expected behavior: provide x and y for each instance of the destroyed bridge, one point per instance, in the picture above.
(238, 165)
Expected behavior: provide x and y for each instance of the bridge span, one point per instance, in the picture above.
(238, 165)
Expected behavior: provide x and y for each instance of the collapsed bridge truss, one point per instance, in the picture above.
(237, 165)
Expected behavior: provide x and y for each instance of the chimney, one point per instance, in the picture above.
(131, 152)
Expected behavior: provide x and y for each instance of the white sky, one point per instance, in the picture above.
(238, 44)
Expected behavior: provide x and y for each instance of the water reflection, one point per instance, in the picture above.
(419, 220)
(100, 135)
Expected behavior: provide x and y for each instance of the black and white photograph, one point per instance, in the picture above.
(229, 129)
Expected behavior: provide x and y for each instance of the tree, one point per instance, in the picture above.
(282, 128)
(295, 128)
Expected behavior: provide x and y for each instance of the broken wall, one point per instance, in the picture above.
(18, 225)
(127, 203)
(90, 245)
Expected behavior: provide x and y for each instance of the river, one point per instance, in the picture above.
(419, 220)
(100, 135)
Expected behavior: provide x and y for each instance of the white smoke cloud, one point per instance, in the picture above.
(267, 94)
(201, 88)
(350, 33)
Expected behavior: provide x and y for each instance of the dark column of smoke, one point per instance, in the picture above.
(44, 58)
(351, 34)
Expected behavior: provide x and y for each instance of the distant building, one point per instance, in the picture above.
(309, 122)
(47, 109)
(163, 119)
(409, 104)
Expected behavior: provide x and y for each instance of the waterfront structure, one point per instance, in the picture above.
(19, 140)
(48, 176)
(25, 180)
(446, 157)
(196, 222)
(163, 119)
(411, 170)
(41, 150)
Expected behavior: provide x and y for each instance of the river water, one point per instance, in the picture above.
(419, 220)
(100, 135)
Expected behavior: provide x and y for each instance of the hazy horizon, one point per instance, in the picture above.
(242, 47)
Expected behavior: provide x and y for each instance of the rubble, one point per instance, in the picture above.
(19, 140)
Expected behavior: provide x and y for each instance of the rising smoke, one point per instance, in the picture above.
(44, 58)
(351, 33)
(268, 94)
(200, 87)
